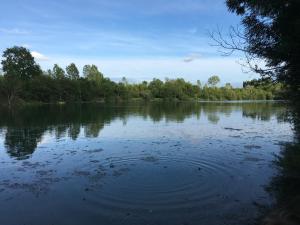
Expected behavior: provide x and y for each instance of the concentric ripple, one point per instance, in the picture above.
(161, 184)
(158, 165)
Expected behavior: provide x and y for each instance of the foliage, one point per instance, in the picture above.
(72, 71)
(19, 63)
(213, 81)
(10, 87)
(58, 72)
(92, 73)
(56, 85)
(272, 33)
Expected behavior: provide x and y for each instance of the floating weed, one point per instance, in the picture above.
(150, 159)
(232, 129)
(93, 151)
(252, 146)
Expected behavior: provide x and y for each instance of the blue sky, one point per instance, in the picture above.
(139, 39)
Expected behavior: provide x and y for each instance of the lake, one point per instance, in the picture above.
(139, 163)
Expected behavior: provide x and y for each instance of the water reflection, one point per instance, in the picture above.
(21, 142)
(285, 186)
(131, 164)
(25, 127)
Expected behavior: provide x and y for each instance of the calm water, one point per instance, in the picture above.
(148, 164)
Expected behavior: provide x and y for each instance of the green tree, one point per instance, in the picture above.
(10, 88)
(18, 62)
(213, 81)
(271, 33)
(156, 88)
(228, 86)
(124, 81)
(199, 83)
(48, 73)
(92, 73)
(72, 71)
(58, 72)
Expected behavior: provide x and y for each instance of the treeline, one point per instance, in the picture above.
(23, 80)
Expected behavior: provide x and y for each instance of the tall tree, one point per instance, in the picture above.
(199, 83)
(271, 33)
(91, 72)
(124, 81)
(228, 86)
(19, 63)
(58, 72)
(10, 87)
(72, 71)
(49, 73)
(213, 81)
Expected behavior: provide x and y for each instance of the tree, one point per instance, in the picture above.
(124, 81)
(72, 71)
(91, 72)
(10, 87)
(156, 87)
(213, 81)
(199, 83)
(228, 86)
(49, 73)
(270, 33)
(22, 142)
(58, 72)
(18, 62)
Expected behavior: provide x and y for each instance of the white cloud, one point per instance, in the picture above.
(191, 57)
(39, 56)
(15, 31)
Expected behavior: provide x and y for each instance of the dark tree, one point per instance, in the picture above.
(271, 33)
(22, 142)
(91, 72)
(10, 88)
(19, 63)
(58, 72)
(72, 71)
(213, 81)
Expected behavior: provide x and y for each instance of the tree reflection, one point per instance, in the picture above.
(285, 187)
(74, 131)
(213, 118)
(264, 111)
(24, 128)
(21, 142)
(93, 129)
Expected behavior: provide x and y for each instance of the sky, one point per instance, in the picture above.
(138, 39)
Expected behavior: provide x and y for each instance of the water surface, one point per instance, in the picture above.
(158, 163)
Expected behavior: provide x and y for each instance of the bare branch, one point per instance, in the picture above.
(236, 41)
(230, 45)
